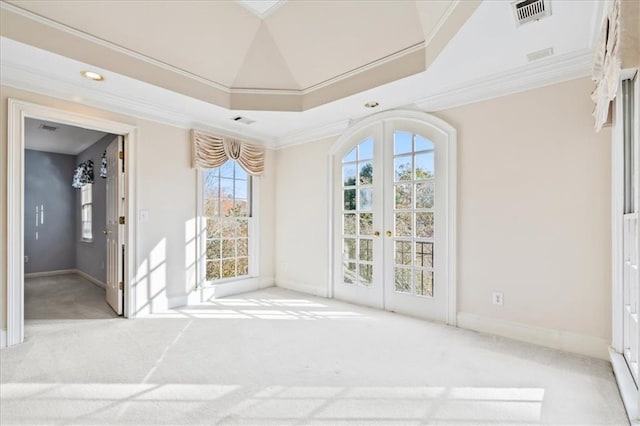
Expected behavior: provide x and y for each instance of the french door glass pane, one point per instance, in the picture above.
(357, 226)
(414, 187)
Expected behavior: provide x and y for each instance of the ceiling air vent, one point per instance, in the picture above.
(530, 10)
(48, 127)
(243, 120)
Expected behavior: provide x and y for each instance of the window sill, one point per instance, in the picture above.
(209, 284)
(86, 242)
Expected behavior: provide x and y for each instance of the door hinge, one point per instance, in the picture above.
(121, 155)
(121, 220)
(120, 285)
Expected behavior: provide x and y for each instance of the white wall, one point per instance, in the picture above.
(533, 211)
(166, 188)
(301, 217)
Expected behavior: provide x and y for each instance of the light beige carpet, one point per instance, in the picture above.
(278, 357)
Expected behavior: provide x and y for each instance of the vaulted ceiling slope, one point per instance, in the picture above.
(300, 55)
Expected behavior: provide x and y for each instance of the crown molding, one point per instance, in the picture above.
(33, 80)
(367, 67)
(447, 13)
(531, 76)
(313, 134)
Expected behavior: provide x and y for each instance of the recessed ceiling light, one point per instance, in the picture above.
(91, 75)
(371, 104)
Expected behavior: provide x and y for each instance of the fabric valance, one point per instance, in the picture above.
(607, 65)
(83, 174)
(213, 151)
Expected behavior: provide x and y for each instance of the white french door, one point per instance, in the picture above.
(391, 220)
(631, 159)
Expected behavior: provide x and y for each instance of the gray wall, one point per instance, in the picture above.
(91, 257)
(48, 183)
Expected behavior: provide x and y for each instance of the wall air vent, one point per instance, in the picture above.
(48, 127)
(530, 10)
(539, 54)
(243, 120)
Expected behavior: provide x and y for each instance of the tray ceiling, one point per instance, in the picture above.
(303, 53)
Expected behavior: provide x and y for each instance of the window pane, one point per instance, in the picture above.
(349, 175)
(226, 170)
(424, 254)
(228, 228)
(242, 247)
(366, 250)
(402, 142)
(365, 173)
(213, 228)
(366, 275)
(424, 166)
(404, 224)
(365, 150)
(424, 225)
(243, 228)
(349, 250)
(424, 195)
(349, 272)
(240, 173)
(403, 253)
(210, 208)
(424, 283)
(366, 224)
(349, 226)
(228, 268)
(228, 248)
(243, 266)
(213, 271)
(403, 280)
(422, 143)
(402, 167)
(365, 199)
(351, 156)
(213, 249)
(349, 199)
(403, 196)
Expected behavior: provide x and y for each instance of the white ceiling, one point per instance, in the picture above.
(486, 58)
(65, 139)
(261, 8)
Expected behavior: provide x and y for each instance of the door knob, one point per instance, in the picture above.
(389, 234)
(105, 232)
(377, 233)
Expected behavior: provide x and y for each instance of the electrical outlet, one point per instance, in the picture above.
(497, 298)
(26, 259)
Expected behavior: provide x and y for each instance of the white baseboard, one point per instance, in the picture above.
(90, 278)
(626, 385)
(50, 273)
(302, 287)
(552, 338)
(3, 339)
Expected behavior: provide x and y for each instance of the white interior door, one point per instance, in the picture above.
(391, 220)
(115, 209)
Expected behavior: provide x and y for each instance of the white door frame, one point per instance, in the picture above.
(450, 134)
(17, 112)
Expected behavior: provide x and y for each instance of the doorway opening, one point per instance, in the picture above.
(393, 210)
(68, 250)
(70, 202)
